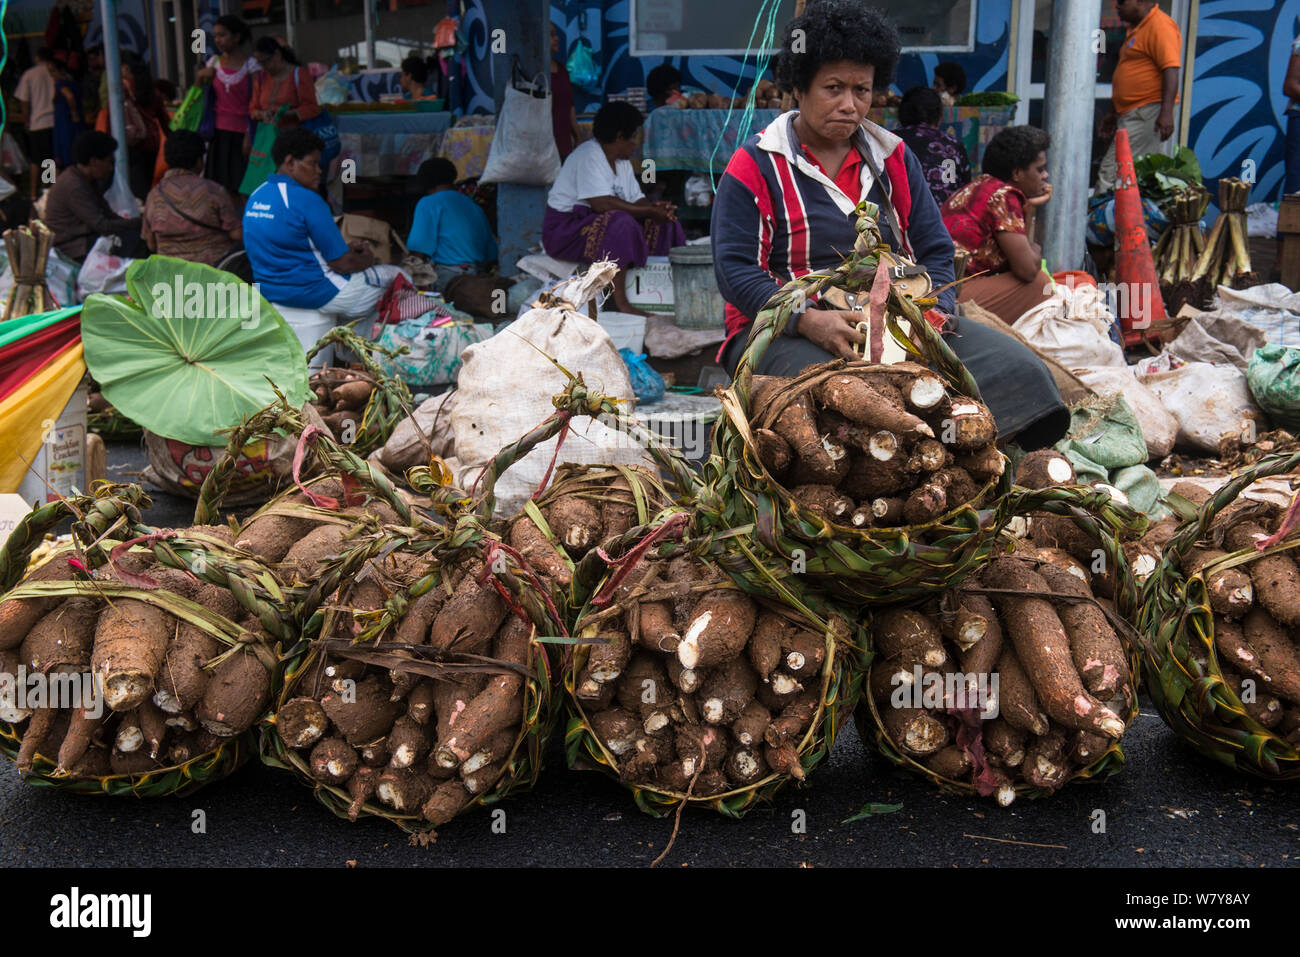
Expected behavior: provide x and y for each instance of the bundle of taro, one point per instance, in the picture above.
(583, 507)
(1180, 246)
(1225, 258)
(361, 405)
(688, 689)
(143, 675)
(427, 692)
(1220, 620)
(1015, 682)
(879, 474)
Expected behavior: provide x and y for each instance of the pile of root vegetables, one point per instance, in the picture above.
(341, 398)
(999, 686)
(688, 687)
(1238, 625)
(179, 668)
(416, 717)
(865, 446)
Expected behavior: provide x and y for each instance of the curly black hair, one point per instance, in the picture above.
(614, 120)
(834, 30)
(920, 105)
(953, 76)
(183, 149)
(1014, 148)
(297, 143)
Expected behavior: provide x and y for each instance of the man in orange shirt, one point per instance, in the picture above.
(1145, 84)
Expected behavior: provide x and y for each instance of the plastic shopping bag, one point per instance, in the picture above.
(523, 149)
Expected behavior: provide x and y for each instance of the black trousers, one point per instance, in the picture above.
(1016, 386)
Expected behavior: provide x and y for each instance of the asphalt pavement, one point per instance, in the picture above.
(1168, 807)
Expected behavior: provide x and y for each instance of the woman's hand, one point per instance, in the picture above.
(1041, 199)
(835, 330)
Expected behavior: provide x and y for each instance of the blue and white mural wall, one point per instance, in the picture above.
(605, 27)
(1237, 106)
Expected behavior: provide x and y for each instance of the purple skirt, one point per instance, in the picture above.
(587, 237)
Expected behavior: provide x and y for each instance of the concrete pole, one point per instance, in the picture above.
(289, 24)
(369, 7)
(1068, 111)
(116, 110)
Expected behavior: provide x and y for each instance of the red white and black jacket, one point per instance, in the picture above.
(777, 216)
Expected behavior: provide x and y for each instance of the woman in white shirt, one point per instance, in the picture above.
(596, 209)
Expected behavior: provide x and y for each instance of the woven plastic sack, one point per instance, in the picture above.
(1274, 379)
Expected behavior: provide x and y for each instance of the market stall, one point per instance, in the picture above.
(391, 143)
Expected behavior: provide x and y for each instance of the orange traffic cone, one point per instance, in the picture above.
(1135, 270)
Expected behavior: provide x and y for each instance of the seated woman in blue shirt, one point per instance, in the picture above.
(449, 227)
(298, 256)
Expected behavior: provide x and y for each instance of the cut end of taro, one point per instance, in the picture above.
(926, 392)
(1143, 566)
(1242, 597)
(688, 680)
(124, 691)
(403, 757)
(785, 685)
(713, 710)
(795, 660)
(1059, 470)
(1015, 758)
(619, 746)
(1040, 725)
(1006, 795)
(588, 689)
(446, 758)
(833, 448)
(688, 652)
(883, 445)
(166, 701)
(476, 761)
(129, 739)
(182, 721)
(688, 767)
(746, 764)
(605, 675)
(862, 517)
(655, 721)
(1018, 526)
(1111, 725)
(14, 715)
(970, 633)
(935, 657)
(924, 429)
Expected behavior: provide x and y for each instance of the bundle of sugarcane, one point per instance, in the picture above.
(1180, 246)
(360, 406)
(426, 687)
(1225, 260)
(877, 478)
(1219, 620)
(28, 250)
(1016, 681)
(138, 661)
(687, 688)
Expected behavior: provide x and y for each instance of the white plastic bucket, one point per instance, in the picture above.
(309, 325)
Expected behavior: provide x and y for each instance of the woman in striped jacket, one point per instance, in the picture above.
(785, 207)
